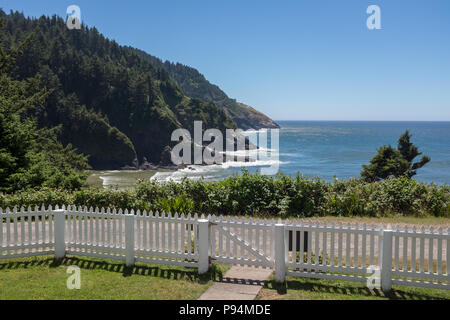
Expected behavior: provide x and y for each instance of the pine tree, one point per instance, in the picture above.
(394, 162)
(31, 157)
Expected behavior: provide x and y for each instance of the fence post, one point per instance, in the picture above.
(203, 246)
(280, 258)
(129, 240)
(60, 226)
(386, 260)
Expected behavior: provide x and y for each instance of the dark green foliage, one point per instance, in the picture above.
(409, 152)
(260, 196)
(195, 85)
(394, 162)
(113, 103)
(31, 157)
(86, 128)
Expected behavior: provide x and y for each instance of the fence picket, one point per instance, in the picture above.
(286, 240)
(74, 226)
(115, 227)
(85, 228)
(405, 251)
(422, 251)
(447, 248)
(151, 244)
(51, 221)
(396, 249)
(439, 252)
(97, 228)
(111, 229)
(355, 246)
(220, 237)
(189, 234)
(22, 227)
(122, 232)
(316, 245)
(91, 228)
(170, 232)
(195, 234)
(1, 229)
(144, 224)
(228, 243)
(324, 244)
(15, 228)
(430, 251)
(80, 227)
(174, 239)
(363, 246)
(264, 231)
(176, 232)
(212, 229)
(257, 239)
(69, 227)
(340, 245)
(272, 236)
(249, 236)
(413, 251)
(332, 238)
(347, 245)
(295, 249)
(302, 243)
(157, 247)
(309, 243)
(37, 228)
(103, 228)
(163, 234)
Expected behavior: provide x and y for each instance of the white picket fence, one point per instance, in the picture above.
(345, 252)
(296, 248)
(114, 234)
(240, 241)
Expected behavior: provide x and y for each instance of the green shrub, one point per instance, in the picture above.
(258, 195)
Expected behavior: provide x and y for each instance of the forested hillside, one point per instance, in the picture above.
(195, 85)
(113, 103)
(31, 157)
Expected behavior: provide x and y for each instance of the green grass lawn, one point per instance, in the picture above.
(315, 289)
(43, 278)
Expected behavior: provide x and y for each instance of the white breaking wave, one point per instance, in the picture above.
(211, 172)
(253, 152)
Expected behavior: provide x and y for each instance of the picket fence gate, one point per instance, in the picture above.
(351, 252)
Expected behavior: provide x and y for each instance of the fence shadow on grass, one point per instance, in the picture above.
(313, 286)
(163, 271)
(11, 265)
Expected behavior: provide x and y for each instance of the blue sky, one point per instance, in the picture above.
(293, 60)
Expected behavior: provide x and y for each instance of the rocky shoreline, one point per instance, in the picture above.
(166, 162)
(145, 165)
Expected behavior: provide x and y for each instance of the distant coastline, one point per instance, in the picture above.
(334, 148)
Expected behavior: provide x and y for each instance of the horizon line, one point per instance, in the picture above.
(363, 120)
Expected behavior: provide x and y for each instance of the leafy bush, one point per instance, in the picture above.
(258, 195)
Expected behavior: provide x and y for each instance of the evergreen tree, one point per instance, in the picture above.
(115, 103)
(394, 162)
(31, 157)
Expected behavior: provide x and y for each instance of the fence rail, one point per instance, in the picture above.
(242, 242)
(401, 256)
(345, 249)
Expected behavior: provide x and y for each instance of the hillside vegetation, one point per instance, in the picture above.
(195, 85)
(113, 103)
(260, 196)
(31, 157)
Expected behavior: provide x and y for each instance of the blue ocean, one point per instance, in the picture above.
(339, 148)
